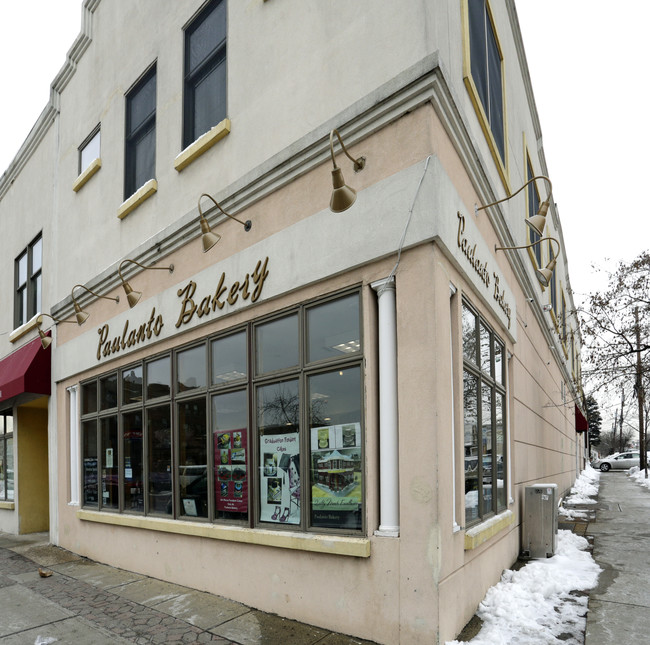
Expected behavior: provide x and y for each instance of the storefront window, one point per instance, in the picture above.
(278, 423)
(282, 446)
(335, 448)
(6, 457)
(484, 408)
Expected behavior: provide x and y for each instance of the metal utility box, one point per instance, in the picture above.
(539, 538)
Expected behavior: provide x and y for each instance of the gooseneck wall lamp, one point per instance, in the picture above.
(79, 313)
(132, 296)
(208, 238)
(538, 221)
(46, 341)
(543, 275)
(342, 195)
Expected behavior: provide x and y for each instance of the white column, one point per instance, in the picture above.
(388, 426)
(452, 293)
(74, 445)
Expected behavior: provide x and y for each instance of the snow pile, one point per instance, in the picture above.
(535, 606)
(584, 487)
(639, 476)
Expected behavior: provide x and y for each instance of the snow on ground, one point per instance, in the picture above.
(639, 476)
(583, 489)
(535, 605)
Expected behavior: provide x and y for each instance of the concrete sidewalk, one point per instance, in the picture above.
(86, 603)
(619, 607)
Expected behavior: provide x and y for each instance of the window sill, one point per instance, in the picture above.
(332, 544)
(7, 506)
(92, 168)
(137, 198)
(202, 144)
(477, 535)
(19, 332)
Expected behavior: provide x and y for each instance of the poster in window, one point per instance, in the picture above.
(230, 480)
(336, 476)
(280, 478)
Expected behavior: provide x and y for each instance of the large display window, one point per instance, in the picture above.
(6, 457)
(197, 434)
(483, 418)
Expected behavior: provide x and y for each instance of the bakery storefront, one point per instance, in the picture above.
(237, 430)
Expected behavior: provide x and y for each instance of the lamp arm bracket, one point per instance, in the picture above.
(247, 224)
(550, 190)
(39, 320)
(169, 268)
(359, 164)
(116, 299)
(527, 246)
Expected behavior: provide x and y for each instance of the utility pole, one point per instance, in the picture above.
(640, 394)
(620, 436)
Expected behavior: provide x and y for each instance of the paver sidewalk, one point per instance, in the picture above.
(86, 603)
(619, 607)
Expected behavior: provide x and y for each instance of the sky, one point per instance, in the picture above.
(586, 60)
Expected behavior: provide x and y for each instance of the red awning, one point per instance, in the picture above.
(26, 370)
(581, 421)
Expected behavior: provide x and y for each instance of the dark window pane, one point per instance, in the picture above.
(89, 456)
(108, 392)
(486, 446)
(159, 378)
(191, 368)
(469, 335)
(89, 397)
(132, 385)
(333, 329)
(478, 50)
(335, 449)
(500, 452)
(210, 100)
(133, 471)
(230, 440)
(207, 35)
(229, 359)
(142, 103)
(470, 430)
(109, 463)
(278, 415)
(159, 442)
(485, 348)
(10, 468)
(192, 459)
(276, 344)
(496, 89)
(144, 160)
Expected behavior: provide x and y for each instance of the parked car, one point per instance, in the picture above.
(618, 461)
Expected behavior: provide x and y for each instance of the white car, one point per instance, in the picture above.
(618, 461)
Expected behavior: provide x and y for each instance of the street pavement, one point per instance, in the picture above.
(619, 607)
(82, 602)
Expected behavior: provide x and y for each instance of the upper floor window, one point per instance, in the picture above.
(140, 153)
(205, 72)
(485, 76)
(533, 207)
(28, 282)
(89, 150)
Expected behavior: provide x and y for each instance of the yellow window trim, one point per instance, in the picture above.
(7, 506)
(92, 168)
(143, 193)
(332, 544)
(481, 533)
(202, 144)
(502, 164)
(19, 332)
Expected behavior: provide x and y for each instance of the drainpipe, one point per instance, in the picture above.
(388, 428)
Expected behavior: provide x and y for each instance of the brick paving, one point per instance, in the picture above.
(124, 618)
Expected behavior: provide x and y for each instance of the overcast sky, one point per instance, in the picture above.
(587, 60)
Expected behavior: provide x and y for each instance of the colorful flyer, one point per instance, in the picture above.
(230, 480)
(280, 478)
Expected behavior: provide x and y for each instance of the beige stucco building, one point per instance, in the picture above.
(331, 416)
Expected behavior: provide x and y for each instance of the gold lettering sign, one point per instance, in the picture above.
(248, 288)
(191, 306)
(481, 268)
